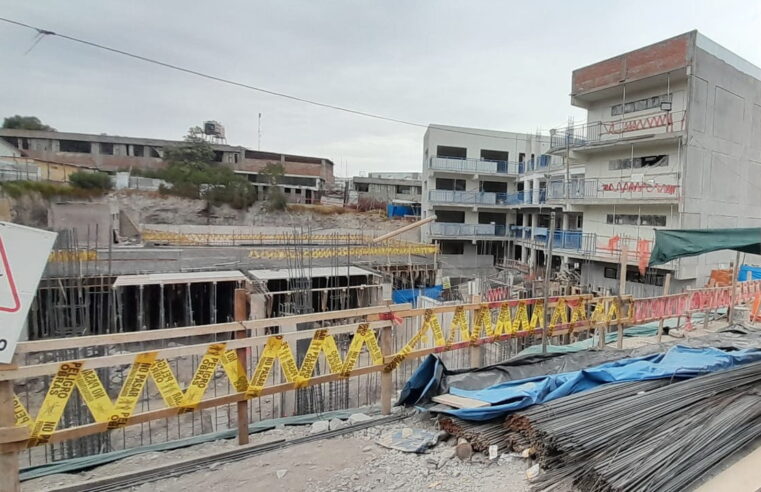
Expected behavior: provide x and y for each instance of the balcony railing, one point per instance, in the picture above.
(474, 166)
(486, 197)
(448, 229)
(655, 187)
(598, 132)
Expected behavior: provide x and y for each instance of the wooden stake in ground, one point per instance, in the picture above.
(621, 288)
(732, 296)
(9, 467)
(241, 314)
(666, 286)
(387, 348)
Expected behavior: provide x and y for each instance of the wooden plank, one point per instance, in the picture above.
(240, 302)
(168, 333)
(9, 463)
(168, 353)
(460, 401)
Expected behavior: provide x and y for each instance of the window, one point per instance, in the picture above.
(610, 272)
(106, 148)
(521, 157)
(138, 150)
(286, 189)
(633, 219)
(403, 190)
(451, 152)
(452, 248)
(25, 143)
(494, 155)
(640, 105)
(298, 191)
(362, 187)
(154, 152)
(450, 184)
(74, 146)
(639, 162)
(450, 216)
(218, 156)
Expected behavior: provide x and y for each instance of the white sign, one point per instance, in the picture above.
(24, 253)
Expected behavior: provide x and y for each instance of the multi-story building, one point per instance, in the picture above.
(672, 140)
(305, 178)
(389, 187)
(487, 190)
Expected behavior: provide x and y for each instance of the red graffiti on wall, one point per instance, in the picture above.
(618, 127)
(632, 187)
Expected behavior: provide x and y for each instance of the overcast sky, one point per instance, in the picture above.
(503, 65)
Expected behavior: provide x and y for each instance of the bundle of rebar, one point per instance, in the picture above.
(647, 435)
(481, 435)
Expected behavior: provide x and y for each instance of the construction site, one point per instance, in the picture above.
(573, 310)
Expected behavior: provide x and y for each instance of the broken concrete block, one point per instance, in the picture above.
(336, 424)
(356, 418)
(281, 473)
(464, 451)
(320, 426)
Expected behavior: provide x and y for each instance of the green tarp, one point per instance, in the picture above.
(673, 244)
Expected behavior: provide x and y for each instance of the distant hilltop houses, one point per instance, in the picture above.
(53, 156)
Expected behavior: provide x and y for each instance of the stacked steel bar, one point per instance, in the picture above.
(481, 435)
(644, 436)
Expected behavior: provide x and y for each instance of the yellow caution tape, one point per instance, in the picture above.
(133, 386)
(282, 254)
(235, 371)
(203, 375)
(22, 416)
(54, 403)
(95, 395)
(167, 384)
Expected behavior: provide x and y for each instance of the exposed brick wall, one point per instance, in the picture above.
(657, 58)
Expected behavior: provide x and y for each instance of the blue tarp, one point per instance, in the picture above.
(399, 210)
(402, 296)
(677, 362)
(742, 274)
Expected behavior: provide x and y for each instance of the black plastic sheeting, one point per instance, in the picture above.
(432, 378)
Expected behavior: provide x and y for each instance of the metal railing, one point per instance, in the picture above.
(475, 166)
(656, 187)
(596, 132)
(487, 197)
(448, 229)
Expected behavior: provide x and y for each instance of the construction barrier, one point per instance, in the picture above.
(346, 251)
(471, 325)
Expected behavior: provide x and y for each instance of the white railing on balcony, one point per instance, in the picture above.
(448, 229)
(475, 166)
(649, 187)
(486, 198)
(597, 132)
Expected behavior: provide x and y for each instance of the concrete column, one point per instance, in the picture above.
(535, 187)
(534, 223)
(566, 222)
(532, 259)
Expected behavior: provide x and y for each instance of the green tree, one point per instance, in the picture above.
(272, 173)
(192, 172)
(26, 123)
(91, 181)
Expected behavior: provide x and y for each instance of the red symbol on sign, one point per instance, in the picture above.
(9, 302)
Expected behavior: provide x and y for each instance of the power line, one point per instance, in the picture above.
(45, 32)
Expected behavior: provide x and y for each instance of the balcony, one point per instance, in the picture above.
(662, 187)
(605, 132)
(485, 198)
(473, 166)
(468, 231)
(541, 165)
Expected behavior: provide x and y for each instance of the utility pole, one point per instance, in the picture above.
(547, 271)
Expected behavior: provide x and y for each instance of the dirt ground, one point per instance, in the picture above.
(352, 462)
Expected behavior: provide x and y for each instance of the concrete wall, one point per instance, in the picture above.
(92, 221)
(722, 175)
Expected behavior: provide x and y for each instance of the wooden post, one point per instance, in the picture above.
(732, 296)
(621, 288)
(241, 314)
(387, 348)
(666, 286)
(602, 330)
(9, 467)
(475, 350)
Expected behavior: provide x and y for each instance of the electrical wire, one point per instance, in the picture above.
(45, 32)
